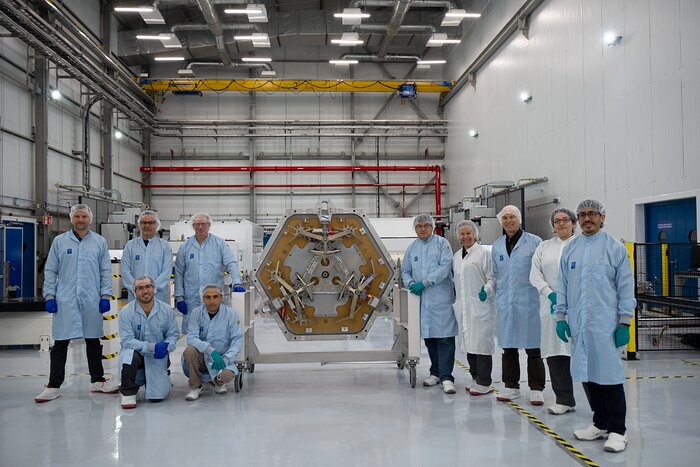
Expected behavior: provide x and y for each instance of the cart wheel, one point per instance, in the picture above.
(238, 382)
(412, 375)
(251, 367)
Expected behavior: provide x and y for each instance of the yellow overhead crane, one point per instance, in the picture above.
(288, 85)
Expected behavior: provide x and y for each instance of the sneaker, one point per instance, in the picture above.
(558, 409)
(508, 394)
(591, 433)
(106, 386)
(536, 398)
(431, 381)
(448, 387)
(615, 443)
(479, 390)
(128, 402)
(48, 394)
(220, 389)
(193, 395)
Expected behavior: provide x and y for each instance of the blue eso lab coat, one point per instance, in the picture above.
(140, 333)
(222, 333)
(430, 262)
(78, 274)
(154, 260)
(517, 301)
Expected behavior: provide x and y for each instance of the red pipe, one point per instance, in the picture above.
(437, 190)
(298, 168)
(263, 185)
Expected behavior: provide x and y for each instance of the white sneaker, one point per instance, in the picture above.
(558, 409)
(193, 395)
(105, 387)
(615, 443)
(128, 402)
(536, 398)
(591, 433)
(220, 389)
(508, 394)
(448, 387)
(432, 380)
(48, 394)
(479, 390)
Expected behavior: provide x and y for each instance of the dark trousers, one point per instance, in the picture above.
(129, 386)
(560, 373)
(608, 404)
(480, 367)
(442, 356)
(59, 353)
(511, 369)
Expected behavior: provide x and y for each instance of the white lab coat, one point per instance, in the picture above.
(476, 319)
(543, 276)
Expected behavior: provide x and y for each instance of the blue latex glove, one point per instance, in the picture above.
(104, 305)
(622, 335)
(218, 361)
(238, 288)
(563, 330)
(161, 350)
(417, 288)
(482, 294)
(182, 307)
(552, 298)
(51, 305)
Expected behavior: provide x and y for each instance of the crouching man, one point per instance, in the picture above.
(148, 334)
(214, 338)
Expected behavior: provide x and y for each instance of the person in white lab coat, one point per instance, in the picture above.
(475, 306)
(543, 276)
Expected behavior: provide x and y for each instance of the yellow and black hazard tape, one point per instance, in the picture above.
(691, 363)
(561, 442)
(110, 317)
(109, 356)
(41, 375)
(110, 337)
(634, 378)
(113, 297)
(116, 275)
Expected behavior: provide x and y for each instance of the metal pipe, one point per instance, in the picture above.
(224, 27)
(379, 58)
(86, 140)
(267, 66)
(404, 28)
(258, 122)
(212, 19)
(298, 168)
(437, 190)
(414, 3)
(400, 9)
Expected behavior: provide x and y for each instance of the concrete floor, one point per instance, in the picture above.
(336, 414)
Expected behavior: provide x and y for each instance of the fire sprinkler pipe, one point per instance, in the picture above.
(288, 168)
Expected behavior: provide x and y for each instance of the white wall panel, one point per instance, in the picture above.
(614, 123)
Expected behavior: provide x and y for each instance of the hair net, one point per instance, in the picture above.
(202, 215)
(472, 226)
(591, 204)
(150, 213)
(80, 207)
(210, 286)
(148, 278)
(423, 219)
(569, 213)
(510, 209)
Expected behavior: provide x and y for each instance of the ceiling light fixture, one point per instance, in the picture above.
(525, 97)
(259, 39)
(268, 74)
(133, 9)
(145, 37)
(256, 59)
(55, 94)
(343, 62)
(169, 59)
(348, 39)
(439, 39)
(611, 39)
(473, 133)
(257, 13)
(351, 16)
(242, 11)
(118, 134)
(454, 16)
(431, 62)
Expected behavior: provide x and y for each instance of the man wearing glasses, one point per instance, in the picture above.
(595, 303)
(202, 260)
(148, 333)
(148, 255)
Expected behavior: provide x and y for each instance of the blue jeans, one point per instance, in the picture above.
(442, 356)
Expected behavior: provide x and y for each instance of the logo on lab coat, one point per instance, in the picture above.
(573, 265)
(201, 329)
(70, 251)
(138, 257)
(191, 255)
(138, 327)
(500, 258)
(415, 258)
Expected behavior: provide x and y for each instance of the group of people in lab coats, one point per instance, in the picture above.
(78, 289)
(568, 300)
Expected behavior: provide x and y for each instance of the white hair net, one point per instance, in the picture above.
(148, 278)
(510, 209)
(423, 219)
(210, 286)
(150, 213)
(471, 225)
(569, 213)
(80, 207)
(590, 204)
(202, 215)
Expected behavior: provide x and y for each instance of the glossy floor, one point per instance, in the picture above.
(335, 414)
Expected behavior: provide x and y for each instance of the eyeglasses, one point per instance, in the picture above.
(143, 287)
(424, 226)
(200, 225)
(589, 214)
(561, 221)
(148, 222)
